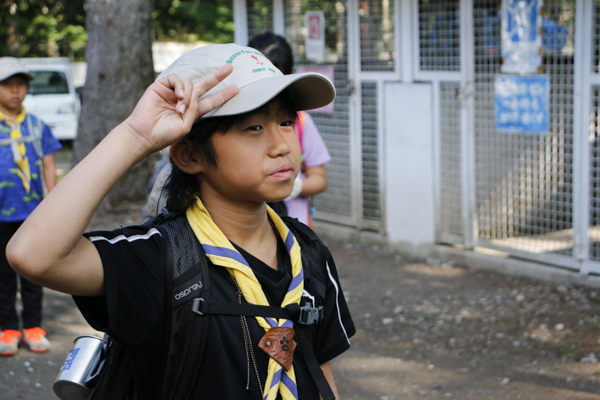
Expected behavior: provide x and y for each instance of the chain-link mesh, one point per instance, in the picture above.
(439, 35)
(594, 229)
(334, 128)
(260, 17)
(377, 44)
(595, 38)
(524, 181)
(450, 163)
(370, 152)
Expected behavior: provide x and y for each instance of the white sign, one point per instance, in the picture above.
(314, 44)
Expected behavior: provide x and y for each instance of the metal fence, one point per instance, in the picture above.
(377, 41)
(260, 17)
(594, 229)
(523, 185)
(335, 127)
(370, 152)
(532, 196)
(524, 182)
(347, 200)
(450, 224)
(439, 35)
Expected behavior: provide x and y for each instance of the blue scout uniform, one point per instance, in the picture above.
(15, 203)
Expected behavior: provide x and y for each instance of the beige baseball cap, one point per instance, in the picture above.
(10, 66)
(257, 78)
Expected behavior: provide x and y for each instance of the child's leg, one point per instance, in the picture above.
(33, 335)
(31, 294)
(8, 281)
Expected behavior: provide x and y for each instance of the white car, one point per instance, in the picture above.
(52, 98)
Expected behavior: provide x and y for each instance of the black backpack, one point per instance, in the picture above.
(191, 307)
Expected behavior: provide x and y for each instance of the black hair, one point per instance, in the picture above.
(182, 188)
(276, 49)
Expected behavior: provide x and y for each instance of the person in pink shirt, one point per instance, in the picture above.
(312, 179)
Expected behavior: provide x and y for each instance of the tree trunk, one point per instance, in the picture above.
(120, 68)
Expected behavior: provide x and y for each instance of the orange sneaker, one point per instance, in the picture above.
(9, 342)
(35, 338)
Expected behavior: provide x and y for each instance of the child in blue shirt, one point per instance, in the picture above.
(26, 171)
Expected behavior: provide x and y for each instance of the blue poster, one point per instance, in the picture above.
(522, 103)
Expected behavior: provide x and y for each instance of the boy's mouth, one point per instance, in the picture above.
(284, 172)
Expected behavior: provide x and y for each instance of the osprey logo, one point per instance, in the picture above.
(194, 287)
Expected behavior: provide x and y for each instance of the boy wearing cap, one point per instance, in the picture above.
(232, 151)
(25, 143)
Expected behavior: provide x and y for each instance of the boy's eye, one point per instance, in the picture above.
(287, 123)
(254, 128)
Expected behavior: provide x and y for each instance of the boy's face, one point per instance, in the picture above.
(12, 93)
(257, 159)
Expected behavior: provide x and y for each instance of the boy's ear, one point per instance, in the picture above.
(185, 156)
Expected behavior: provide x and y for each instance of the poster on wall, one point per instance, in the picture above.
(522, 103)
(521, 36)
(323, 70)
(314, 22)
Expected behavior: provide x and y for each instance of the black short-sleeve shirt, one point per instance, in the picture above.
(133, 313)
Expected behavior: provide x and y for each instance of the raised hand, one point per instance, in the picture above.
(169, 107)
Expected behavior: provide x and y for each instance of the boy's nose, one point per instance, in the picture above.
(279, 145)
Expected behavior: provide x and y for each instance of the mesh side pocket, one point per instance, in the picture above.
(180, 325)
(183, 246)
(311, 252)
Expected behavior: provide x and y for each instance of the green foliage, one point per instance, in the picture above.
(56, 28)
(193, 20)
(51, 28)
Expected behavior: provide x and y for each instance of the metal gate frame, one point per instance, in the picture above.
(465, 78)
(584, 80)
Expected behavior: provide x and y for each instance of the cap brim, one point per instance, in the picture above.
(309, 91)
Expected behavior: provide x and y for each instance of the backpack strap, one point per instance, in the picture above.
(314, 258)
(314, 253)
(23, 139)
(189, 277)
(35, 132)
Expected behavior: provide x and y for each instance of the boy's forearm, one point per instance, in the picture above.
(57, 224)
(315, 181)
(49, 248)
(326, 367)
(49, 171)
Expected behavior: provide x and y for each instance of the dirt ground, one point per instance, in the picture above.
(426, 330)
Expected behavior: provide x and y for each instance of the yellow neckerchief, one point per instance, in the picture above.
(18, 148)
(221, 252)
